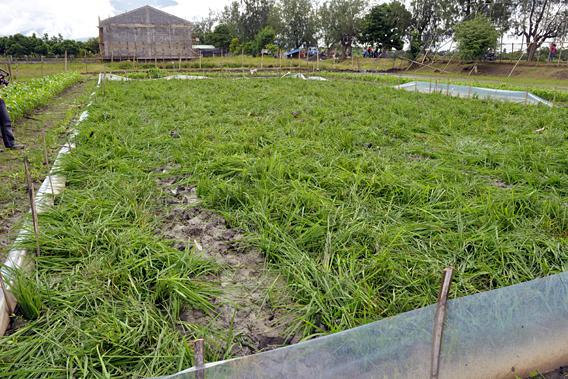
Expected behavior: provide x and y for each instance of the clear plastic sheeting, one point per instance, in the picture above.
(474, 92)
(303, 77)
(505, 333)
(185, 77)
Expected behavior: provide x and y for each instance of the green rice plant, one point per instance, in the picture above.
(23, 97)
(357, 195)
(28, 293)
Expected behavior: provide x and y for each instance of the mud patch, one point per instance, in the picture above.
(252, 308)
(500, 184)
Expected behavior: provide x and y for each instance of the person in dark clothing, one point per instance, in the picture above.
(6, 128)
(5, 122)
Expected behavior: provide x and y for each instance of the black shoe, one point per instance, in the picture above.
(16, 147)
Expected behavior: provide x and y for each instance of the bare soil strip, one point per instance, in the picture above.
(251, 308)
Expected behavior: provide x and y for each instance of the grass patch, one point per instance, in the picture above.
(358, 195)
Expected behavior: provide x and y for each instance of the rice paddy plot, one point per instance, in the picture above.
(357, 197)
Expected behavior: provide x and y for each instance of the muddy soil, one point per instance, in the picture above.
(252, 304)
(28, 131)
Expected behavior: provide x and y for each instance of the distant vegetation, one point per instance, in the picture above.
(19, 45)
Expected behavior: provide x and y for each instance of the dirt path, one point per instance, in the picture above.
(55, 118)
(252, 309)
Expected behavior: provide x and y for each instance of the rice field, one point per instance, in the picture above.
(356, 196)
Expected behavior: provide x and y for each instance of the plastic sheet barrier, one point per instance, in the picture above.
(474, 92)
(505, 333)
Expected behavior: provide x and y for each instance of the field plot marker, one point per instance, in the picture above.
(31, 196)
(439, 319)
(198, 353)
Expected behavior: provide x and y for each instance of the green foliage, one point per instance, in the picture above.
(23, 97)
(28, 293)
(19, 45)
(235, 46)
(386, 26)
(264, 38)
(298, 23)
(341, 23)
(221, 37)
(475, 38)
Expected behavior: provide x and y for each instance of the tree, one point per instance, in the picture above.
(340, 21)
(475, 37)
(538, 20)
(386, 26)
(498, 11)
(254, 16)
(432, 21)
(298, 22)
(264, 38)
(221, 37)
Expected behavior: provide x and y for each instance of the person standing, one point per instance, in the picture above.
(6, 123)
(553, 52)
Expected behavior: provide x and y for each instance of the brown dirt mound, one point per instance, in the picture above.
(251, 304)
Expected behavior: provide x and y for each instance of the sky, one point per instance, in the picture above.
(77, 19)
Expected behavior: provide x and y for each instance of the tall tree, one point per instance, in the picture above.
(538, 20)
(340, 21)
(432, 21)
(386, 26)
(475, 37)
(254, 16)
(497, 11)
(298, 22)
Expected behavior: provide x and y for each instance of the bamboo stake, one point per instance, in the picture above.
(45, 158)
(199, 352)
(515, 66)
(439, 319)
(31, 195)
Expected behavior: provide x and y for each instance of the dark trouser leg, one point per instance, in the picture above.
(6, 125)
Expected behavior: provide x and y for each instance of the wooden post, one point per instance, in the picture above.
(41, 65)
(261, 58)
(448, 89)
(439, 319)
(280, 59)
(31, 196)
(430, 87)
(179, 64)
(198, 353)
(45, 156)
(10, 65)
(66, 60)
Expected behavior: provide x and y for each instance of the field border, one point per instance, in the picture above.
(52, 185)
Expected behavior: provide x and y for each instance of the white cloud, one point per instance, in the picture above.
(78, 18)
(193, 10)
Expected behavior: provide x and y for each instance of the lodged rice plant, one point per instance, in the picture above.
(357, 195)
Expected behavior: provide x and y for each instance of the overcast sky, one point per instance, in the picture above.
(77, 19)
